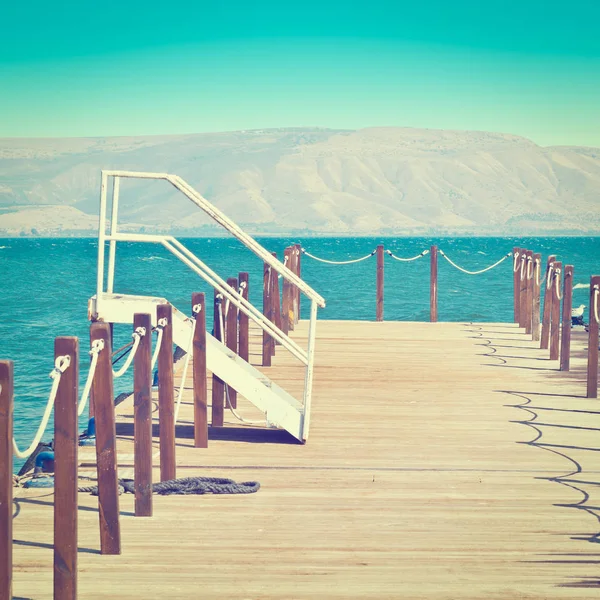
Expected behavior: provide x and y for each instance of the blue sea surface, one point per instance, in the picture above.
(46, 284)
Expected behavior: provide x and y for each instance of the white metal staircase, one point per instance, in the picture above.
(279, 406)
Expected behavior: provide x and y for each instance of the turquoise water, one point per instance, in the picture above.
(46, 284)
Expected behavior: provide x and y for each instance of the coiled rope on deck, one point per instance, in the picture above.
(399, 258)
(481, 270)
(186, 486)
(338, 262)
(61, 364)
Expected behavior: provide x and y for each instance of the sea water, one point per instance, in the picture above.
(46, 284)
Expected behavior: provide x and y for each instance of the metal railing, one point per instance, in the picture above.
(187, 257)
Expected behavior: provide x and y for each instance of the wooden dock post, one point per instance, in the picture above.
(530, 273)
(267, 308)
(287, 316)
(6, 477)
(537, 281)
(66, 439)
(380, 266)
(142, 417)
(218, 386)
(106, 455)
(244, 334)
(523, 289)
(298, 272)
(555, 315)
(199, 374)
(232, 336)
(516, 280)
(433, 285)
(166, 397)
(548, 276)
(565, 343)
(592, 366)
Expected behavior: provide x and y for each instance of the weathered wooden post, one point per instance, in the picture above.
(565, 343)
(537, 275)
(555, 315)
(199, 374)
(66, 438)
(380, 279)
(142, 417)
(523, 289)
(433, 285)
(218, 385)
(106, 455)
(529, 293)
(547, 287)
(166, 398)
(267, 308)
(232, 336)
(244, 335)
(592, 366)
(298, 272)
(287, 317)
(6, 477)
(516, 282)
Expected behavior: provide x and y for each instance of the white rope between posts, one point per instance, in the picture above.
(529, 268)
(162, 323)
(390, 253)
(481, 270)
(557, 273)
(549, 275)
(595, 303)
(97, 347)
(515, 262)
(538, 269)
(338, 262)
(196, 309)
(523, 257)
(61, 364)
(137, 335)
(229, 405)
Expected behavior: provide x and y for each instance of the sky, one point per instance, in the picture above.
(527, 67)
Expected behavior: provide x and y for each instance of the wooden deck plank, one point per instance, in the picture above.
(419, 480)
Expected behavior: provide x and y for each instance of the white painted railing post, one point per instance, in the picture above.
(112, 250)
(308, 382)
(101, 241)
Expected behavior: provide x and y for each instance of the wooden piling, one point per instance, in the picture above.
(244, 333)
(380, 279)
(555, 315)
(6, 478)
(166, 396)
(548, 274)
(433, 285)
(537, 282)
(66, 439)
(565, 343)
(287, 316)
(516, 280)
(530, 274)
(199, 374)
(523, 289)
(267, 308)
(142, 417)
(592, 366)
(106, 456)
(218, 386)
(232, 336)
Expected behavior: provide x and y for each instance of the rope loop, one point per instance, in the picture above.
(139, 332)
(549, 275)
(557, 273)
(538, 265)
(61, 364)
(196, 308)
(529, 268)
(162, 323)
(97, 347)
(523, 260)
(515, 262)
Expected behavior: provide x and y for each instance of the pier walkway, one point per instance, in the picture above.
(418, 481)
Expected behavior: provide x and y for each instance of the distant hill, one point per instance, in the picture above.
(370, 181)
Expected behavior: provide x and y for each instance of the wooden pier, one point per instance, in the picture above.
(421, 479)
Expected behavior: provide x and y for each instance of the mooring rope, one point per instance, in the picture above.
(61, 364)
(549, 275)
(515, 262)
(523, 257)
(137, 335)
(481, 270)
(162, 323)
(538, 270)
(399, 258)
(97, 347)
(186, 486)
(229, 405)
(557, 273)
(195, 310)
(595, 303)
(529, 268)
(338, 262)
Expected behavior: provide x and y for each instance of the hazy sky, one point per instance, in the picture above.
(530, 67)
